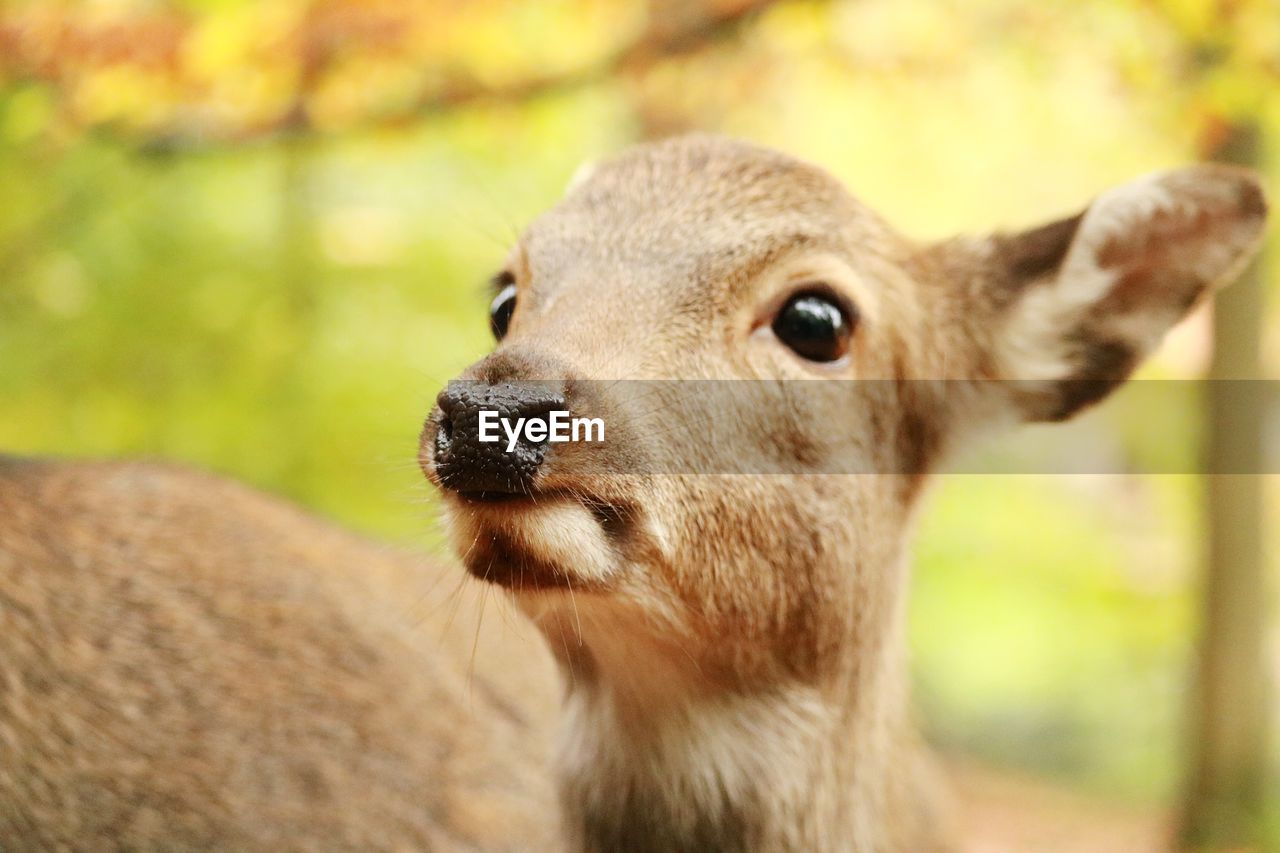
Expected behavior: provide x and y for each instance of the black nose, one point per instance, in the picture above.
(466, 463)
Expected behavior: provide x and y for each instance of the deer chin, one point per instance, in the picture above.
(544, 542)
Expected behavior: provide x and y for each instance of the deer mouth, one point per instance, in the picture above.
(545, 540)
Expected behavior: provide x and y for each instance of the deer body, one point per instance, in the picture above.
(187, 664)
(731, 647)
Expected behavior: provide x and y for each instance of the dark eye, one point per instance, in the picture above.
(501, 309)
(815, 326)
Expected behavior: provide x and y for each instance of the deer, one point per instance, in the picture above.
(190, 664)
(709, 652)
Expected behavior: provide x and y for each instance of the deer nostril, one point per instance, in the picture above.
(444, 433)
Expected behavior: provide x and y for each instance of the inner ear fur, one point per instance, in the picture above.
(1079, 302)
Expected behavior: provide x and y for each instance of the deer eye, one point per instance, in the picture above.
(501, 309)
(815, 326)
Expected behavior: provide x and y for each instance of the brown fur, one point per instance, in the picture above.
(734, 648)
(186, 663)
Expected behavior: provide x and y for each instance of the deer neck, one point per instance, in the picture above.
(658, 752)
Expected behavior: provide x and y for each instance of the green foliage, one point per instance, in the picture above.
(1054, 635)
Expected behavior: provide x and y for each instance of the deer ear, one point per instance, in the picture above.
(1080, 302)
(581, 175)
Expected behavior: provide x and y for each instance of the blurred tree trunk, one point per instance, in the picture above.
(1225, 796)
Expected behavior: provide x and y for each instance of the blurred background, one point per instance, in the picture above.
(254, 236)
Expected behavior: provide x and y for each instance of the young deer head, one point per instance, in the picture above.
(727, 613)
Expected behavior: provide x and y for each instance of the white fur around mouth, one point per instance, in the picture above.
(550, 540)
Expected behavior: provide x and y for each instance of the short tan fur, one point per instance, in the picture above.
(187, 663)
